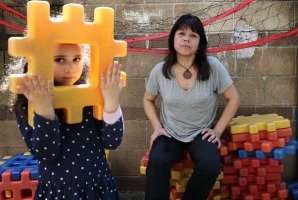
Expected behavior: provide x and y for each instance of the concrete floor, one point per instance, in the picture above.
(132, 195)
(139, 195)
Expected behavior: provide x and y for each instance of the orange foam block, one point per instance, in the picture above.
(43, 33)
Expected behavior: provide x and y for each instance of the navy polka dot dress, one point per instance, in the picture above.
(72, 162)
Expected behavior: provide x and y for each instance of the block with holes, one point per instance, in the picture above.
(19, 174)
(43, 33)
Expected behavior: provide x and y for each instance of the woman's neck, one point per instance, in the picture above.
(185, 60)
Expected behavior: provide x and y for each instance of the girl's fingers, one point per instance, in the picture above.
(28, 83)
(35, 82)
(109, 73)
(42, 84)
(50, 87)
(113, 74)
(116, 72)
(103, 80)
(120, 83)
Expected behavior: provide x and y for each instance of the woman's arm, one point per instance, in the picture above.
(151, 112)
(233, 103)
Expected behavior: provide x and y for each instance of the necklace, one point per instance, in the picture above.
(187, 74)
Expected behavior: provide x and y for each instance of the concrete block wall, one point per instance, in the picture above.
(266, 80)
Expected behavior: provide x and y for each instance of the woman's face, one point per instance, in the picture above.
(186, 42)
(68, 63)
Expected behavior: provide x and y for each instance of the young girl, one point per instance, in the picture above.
(72, 162)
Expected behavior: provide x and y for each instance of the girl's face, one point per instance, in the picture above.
(68, 63)
(186, 42)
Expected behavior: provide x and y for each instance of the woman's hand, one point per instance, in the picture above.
(39, 94)
(111, 87)
(212, 135)
(156, 133)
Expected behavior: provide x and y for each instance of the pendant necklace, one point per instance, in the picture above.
(187, 74)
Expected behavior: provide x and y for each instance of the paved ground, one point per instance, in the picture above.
(131, 195)
(139, 195)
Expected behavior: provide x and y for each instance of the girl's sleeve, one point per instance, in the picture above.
(111, 129)
(43, 140)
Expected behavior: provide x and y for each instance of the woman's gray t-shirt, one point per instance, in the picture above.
(183, 113)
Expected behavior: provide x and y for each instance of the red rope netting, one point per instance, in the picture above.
(166, 34)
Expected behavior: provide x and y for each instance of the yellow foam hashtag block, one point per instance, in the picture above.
(143, 170)
(43, 33)
(255, 123)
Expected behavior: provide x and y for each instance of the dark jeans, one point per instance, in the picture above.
(167, 151)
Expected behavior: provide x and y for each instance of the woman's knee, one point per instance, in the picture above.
(164, 152)
(210, 165)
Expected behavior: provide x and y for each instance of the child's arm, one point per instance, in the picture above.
(111, 87)
(43, 141)
(113, 126)
(113, 129)
(40, 95)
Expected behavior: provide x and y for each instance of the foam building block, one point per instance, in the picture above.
(255, 123)
(18, 176)
(18, 163)
(23, 189)
(293, 187)
(43, 33)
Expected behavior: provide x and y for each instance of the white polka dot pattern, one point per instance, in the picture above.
(72, 161)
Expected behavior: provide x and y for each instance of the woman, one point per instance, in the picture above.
(189, 83)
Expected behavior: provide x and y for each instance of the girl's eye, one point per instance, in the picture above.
(77, 59)
(59, 60)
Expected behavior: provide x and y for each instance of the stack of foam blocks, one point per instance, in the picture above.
(251, 160)
(181, 172)
(257, 145)
(19, 174)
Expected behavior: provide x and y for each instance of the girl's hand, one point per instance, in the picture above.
(39, 94)
(212, 135)
(156, 133)
(111, 87)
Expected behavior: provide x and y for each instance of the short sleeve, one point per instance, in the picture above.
(152, 85)
(222, 78)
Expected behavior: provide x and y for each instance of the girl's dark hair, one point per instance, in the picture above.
(200, 61)
(22, 101)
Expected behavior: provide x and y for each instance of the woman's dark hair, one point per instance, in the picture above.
(200, 61)
(22, 101)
